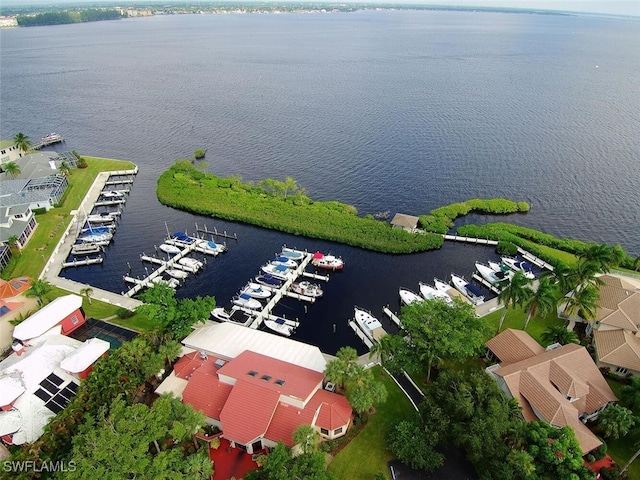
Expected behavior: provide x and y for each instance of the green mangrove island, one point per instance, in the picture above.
(283, 206)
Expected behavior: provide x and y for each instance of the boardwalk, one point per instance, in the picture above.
(48, 140)
(53, 267)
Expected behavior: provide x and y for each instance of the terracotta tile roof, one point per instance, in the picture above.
(294, 381)
(205, 393)
(14, 287)
(619, 304)
(335, 410)
(512, 346)
(618, 347)
(285, 420)
(248, 411)
(542, 383)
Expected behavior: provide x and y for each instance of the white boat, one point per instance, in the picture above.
(255, 290)
(244, 300)
(490, 275)
(469, 290)
(292, 254)
(430, 293)
(278, 271)
(307, 289)
(499, 267)
(115, 194)
(99, 229)
(279, 325)
(367, 323)
(210, 247)
(408, 297)
(96, 238)
(175, 273)
(440, 285)
(170, 249)
(171, 283)
(269, 280)
(221, 314)
(282, 260)
(327, 262)
(191, 262)
(85, 248)
(518, 266)
(105, 217)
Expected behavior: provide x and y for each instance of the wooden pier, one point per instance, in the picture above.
(106, 203)
(118, 182)
(486, 284)
(360, 334)
(392, 316)
(46, 141)
(535, 260)
(215, 232)
(79, 263)
(478, 241)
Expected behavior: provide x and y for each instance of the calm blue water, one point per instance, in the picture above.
(401, 111)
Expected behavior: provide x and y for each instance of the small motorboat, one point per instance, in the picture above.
(256, 290)
(113, 194)
(278, 271)
(210, 247)
(408, 297)
(269, 280)
(244, 300)
(431, 293)
(175, 273)
(171, 283)
(327, 262)
(279, 325)
(518, 266)
(282, 260)
(367, 322)
(500, 267)
(96, 238)
(221, 314)
(85, 249)
(170, 249)
(292, 254)
(191, 263)
(307, 289)
(104, 217)
(449, 290)
(469, 290)
(98, 230)
(183, 238)
(490, 275)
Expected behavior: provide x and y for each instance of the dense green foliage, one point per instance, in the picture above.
(281, 465)
(199, 154)
(137, 441)
(530, 239)
(438, 331)
(119, 374)
(283, 206)
(64, 17)
(441, 219)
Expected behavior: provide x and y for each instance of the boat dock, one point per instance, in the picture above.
(360, 334)
(392, 316)
(535, 260)
(46, 141)
(107, 203)
(478, 241)
(485, 284)
(79, 263)
(215, 232)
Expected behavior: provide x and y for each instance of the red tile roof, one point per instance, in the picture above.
(205, 393)
(285, 420)
(335, 410)
(248, 411)
(299, 382)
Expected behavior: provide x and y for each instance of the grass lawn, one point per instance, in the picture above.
(367, 454)
(51, 225)
(569, 258)
(515, 319)
(622, 450)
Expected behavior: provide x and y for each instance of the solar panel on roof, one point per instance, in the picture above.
(73, 387)
(47, 385)
(4, 309)
(56, 380)
(54, 407)
(42, 395)
(67, 393)
(60, 400)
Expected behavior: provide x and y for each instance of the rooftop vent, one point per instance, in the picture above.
(252, 373)
(266, 378)
(279, 382)
(203, 355)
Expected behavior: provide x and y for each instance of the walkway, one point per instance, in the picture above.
(53, 267)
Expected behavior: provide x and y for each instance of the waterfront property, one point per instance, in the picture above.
(61, 316)
(256, 387)
(560, 384)
(16, 222)
(616, 326)
(9, 151)
(405, 222)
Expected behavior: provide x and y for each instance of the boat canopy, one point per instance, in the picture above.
(318, 255)
(281, 268)
(245, 296)
(183, 237)
(526, 266)
(474, 289)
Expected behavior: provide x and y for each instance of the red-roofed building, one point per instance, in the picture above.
(258, 400)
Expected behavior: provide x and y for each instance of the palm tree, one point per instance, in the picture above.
(542, 300)
(64, 169)
(87, 292)
(12, 169)
(563, 277)
(558, 334)
(342, 369)
(386, 348)
(39, 289)
(513, 294)
(630, 394)
(604, 256)
(583, 302)
(615, 421)
(22, 142)
(585, 273)
(13, 243)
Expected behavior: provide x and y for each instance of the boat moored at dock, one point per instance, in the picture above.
(327, 262)
(408, 297)
(280, 326)
(269, 280)
(518, 266)
(473, 293)
(491, 276)
(170, 249)
(278, 271)
(431, 293)
(369, 324)
(255, 290)
(307, 289)
(244, 300)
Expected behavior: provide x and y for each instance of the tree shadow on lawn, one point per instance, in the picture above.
(456, 467)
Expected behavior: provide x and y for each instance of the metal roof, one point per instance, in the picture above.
(47, 317)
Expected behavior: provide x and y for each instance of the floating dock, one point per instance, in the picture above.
(392, 316)
(50, 139)
(80, 263)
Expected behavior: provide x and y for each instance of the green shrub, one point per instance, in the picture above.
(600, 452)
(612, 473)
(123, 313)
(590, 458)
(199, 154)
(39, 211)
(506, 248)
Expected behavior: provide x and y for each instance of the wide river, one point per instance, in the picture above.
(391, 110)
